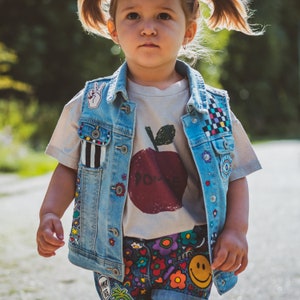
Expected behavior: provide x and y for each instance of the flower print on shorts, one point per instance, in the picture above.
(189, 237)
(166, 244)
(178, 280)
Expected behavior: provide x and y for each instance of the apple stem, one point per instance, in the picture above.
(150, 134)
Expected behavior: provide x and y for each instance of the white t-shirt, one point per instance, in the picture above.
(164, 191)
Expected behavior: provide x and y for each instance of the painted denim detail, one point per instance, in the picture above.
(93, 145)
(226, 166)
(75, 229)
(102, 190)
(218, 121)
(95, 96)
(176, 263)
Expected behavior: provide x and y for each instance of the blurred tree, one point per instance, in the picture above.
(262, 73)
(55, 56)
(8, 58)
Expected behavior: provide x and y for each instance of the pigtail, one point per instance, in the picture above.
(93, 15)
(231, 15)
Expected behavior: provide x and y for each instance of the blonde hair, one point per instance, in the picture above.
(225, 14)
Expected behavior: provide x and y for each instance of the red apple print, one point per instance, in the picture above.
(157, 179)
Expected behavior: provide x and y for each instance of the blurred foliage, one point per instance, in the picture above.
(20, 159)
(8, 58)
(262, 74)
(46, 57)
(18, 131)
(19, 122)
(55, 56)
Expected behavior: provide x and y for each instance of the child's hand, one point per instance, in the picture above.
(231, 252)
(50, 235)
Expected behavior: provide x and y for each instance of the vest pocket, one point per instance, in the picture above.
(94, 140)
(224, 148)
(224, 145)
(85, 212)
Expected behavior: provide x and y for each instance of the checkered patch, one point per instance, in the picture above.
(218, 121)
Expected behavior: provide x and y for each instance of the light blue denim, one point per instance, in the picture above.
(107, 123)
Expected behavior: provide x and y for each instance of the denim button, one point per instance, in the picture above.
(95, 133)
(194, 120)
(123, 149)
(213, 198)
(119, 189)
(225, 143)
(116, 272)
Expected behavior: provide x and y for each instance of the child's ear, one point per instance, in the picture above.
(112, 31)
(190, 32)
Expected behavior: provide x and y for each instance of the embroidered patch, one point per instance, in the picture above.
(119, 293)
(75, 229)
(93, 140)
(213, 238)
(105, 288)
(226, 166)
(206, 156)
(218, 121)
(119, 189)
(95, 95)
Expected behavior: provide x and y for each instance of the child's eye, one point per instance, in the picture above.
(164, 16)
(133, 16)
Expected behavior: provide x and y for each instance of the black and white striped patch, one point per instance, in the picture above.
(91, 154)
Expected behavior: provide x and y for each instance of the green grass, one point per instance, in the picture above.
(36, 164)
(24, 162)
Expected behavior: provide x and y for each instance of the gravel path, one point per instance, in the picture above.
(274, 268)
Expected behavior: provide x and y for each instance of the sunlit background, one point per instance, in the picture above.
(45, 59)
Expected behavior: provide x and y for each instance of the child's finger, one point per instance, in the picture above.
(242, 266)
(58, 229)
(52, 239)
(48, 244)
(219, 259)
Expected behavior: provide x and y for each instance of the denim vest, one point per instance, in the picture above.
(106, 129)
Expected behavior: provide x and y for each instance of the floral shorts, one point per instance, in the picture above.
(172, 267)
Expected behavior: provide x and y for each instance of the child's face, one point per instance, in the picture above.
(150, 32)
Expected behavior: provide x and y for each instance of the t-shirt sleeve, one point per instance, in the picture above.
(64, 144)
(245, 160)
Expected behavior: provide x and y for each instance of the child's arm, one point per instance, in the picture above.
(231, 249)
(59, 195)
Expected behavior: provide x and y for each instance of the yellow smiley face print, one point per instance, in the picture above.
(200, 271)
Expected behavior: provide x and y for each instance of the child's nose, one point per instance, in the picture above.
(149, 28)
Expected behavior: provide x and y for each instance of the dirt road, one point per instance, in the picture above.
(274, 268)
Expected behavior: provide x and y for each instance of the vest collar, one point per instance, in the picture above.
(197, 101)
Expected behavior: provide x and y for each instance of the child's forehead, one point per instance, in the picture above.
(111, 7)
(149, 3)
